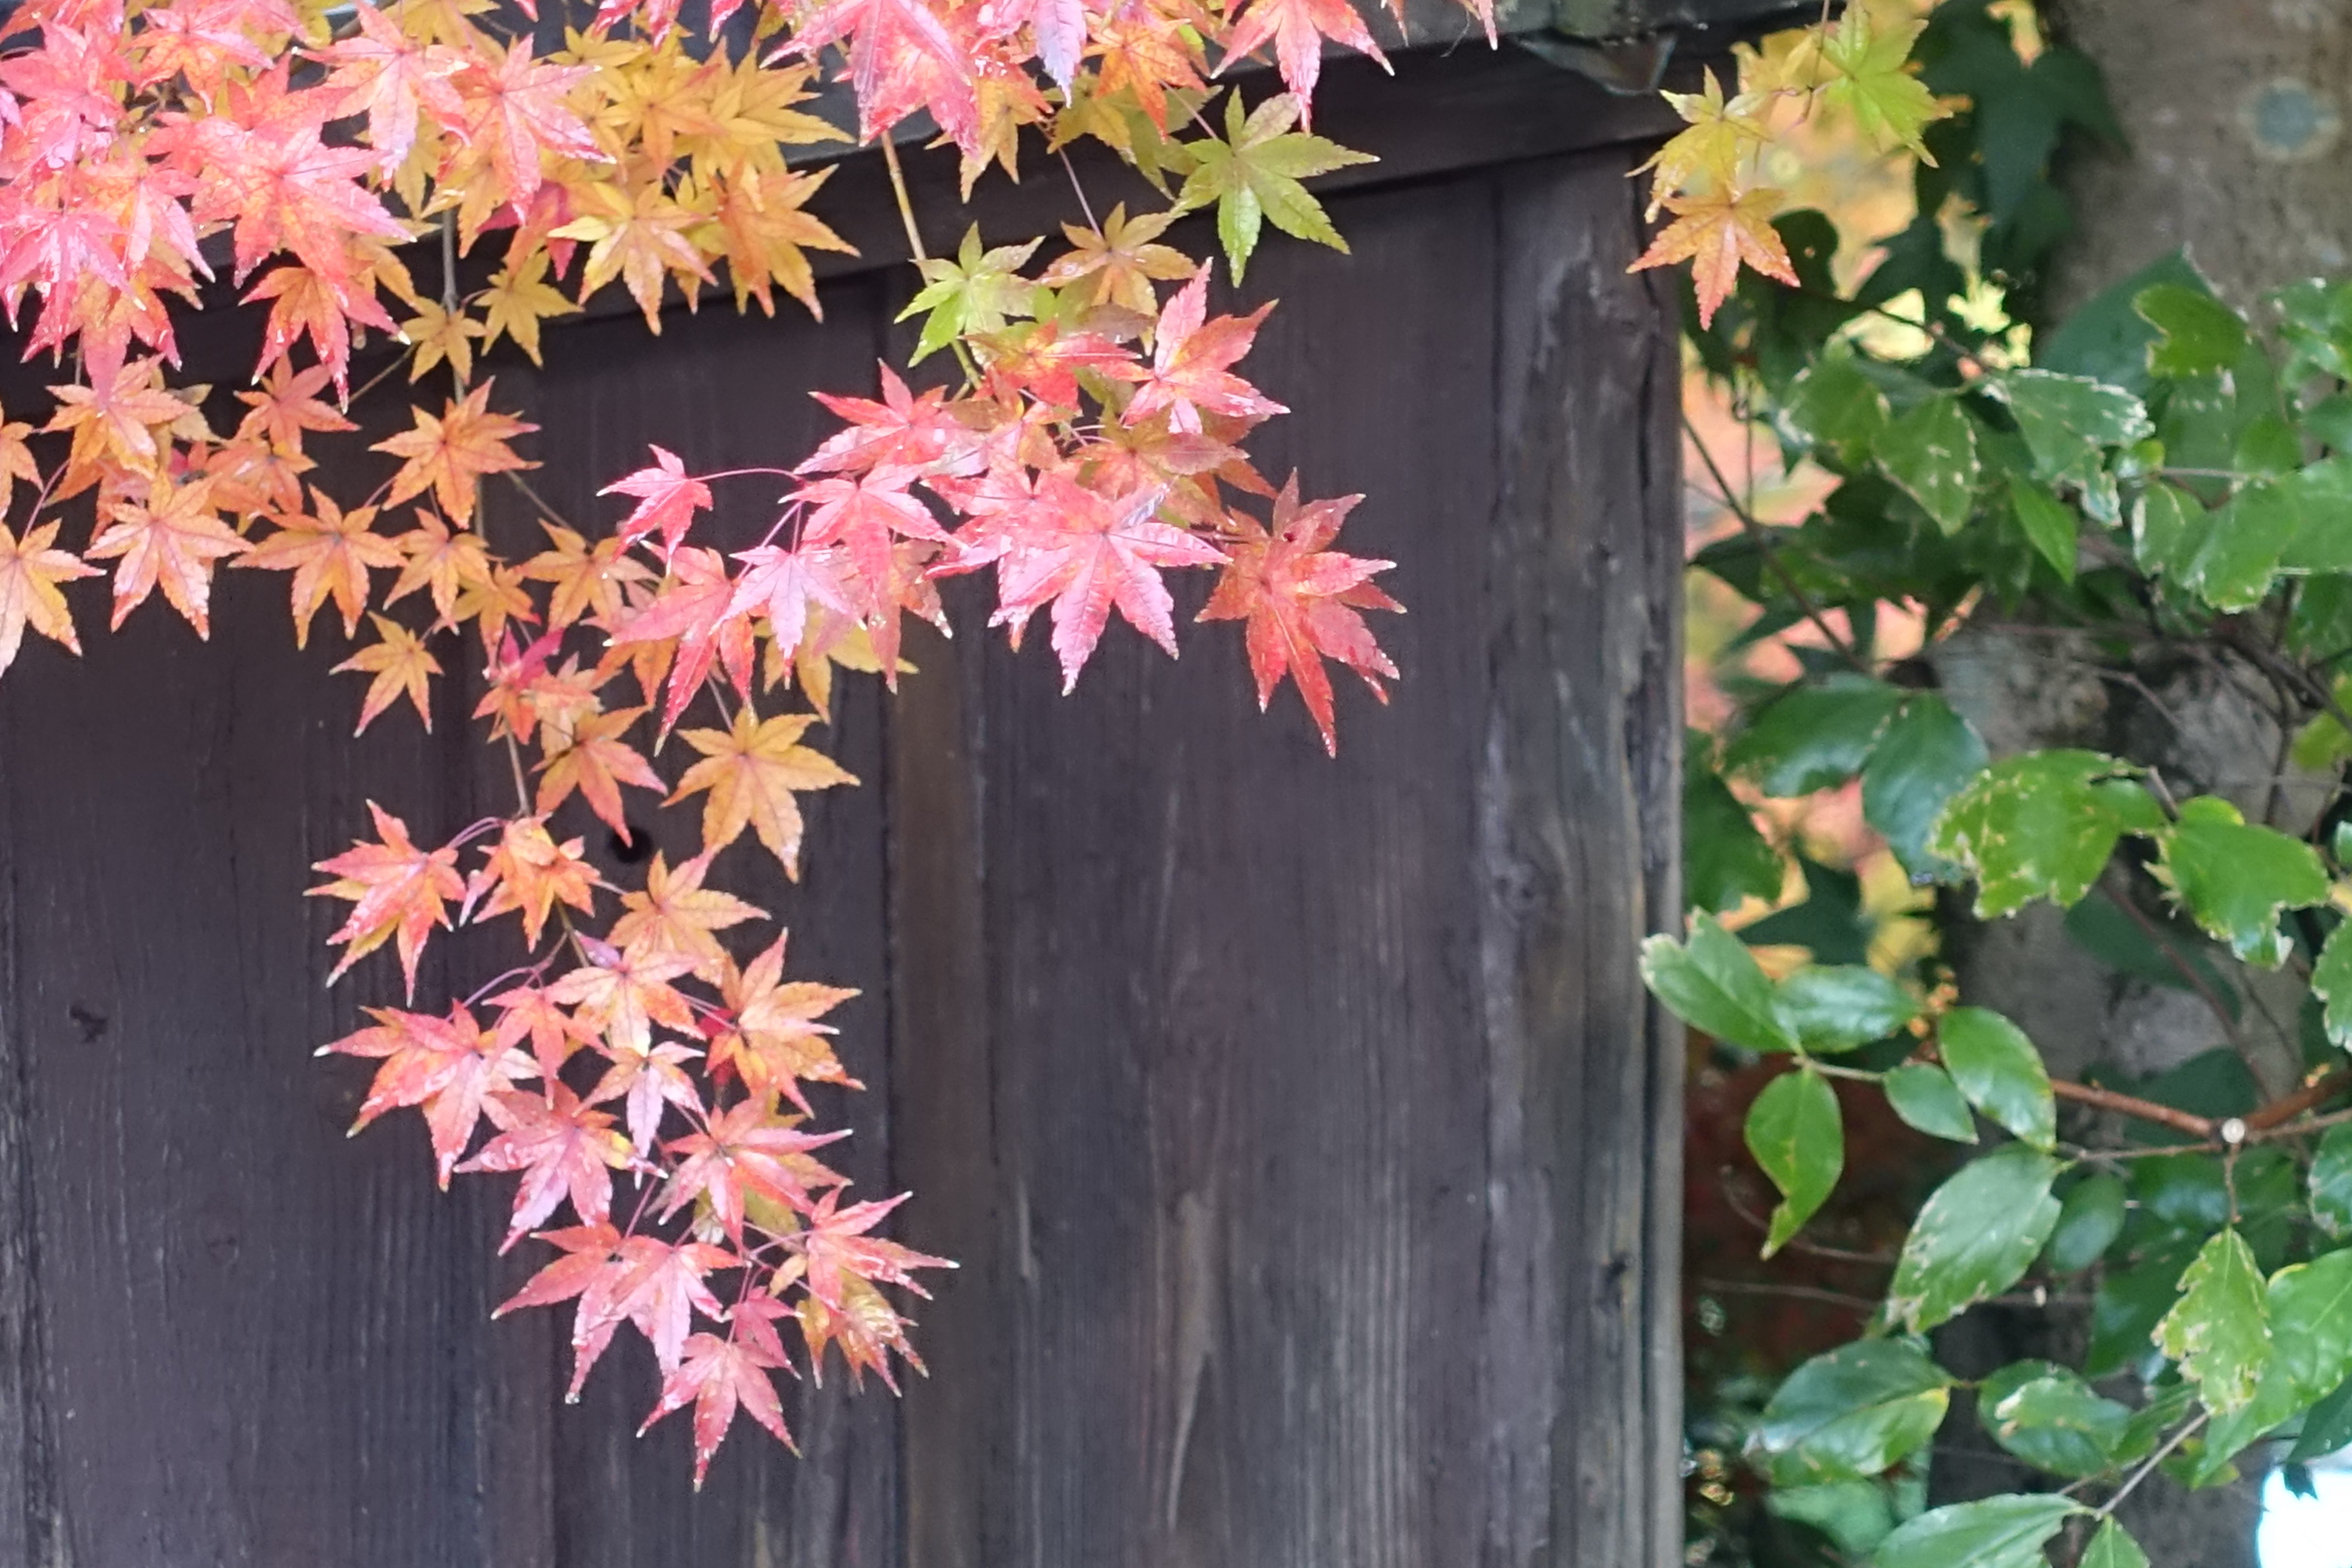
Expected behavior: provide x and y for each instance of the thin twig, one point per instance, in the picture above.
(1799, 1244)
(1771, 559)
(1793, 1292)
(2107, 1510)
(2186, 970)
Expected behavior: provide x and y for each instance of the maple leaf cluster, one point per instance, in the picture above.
(1709, 176)
(644, 1072)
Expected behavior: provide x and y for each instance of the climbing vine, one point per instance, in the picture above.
(2160, 482)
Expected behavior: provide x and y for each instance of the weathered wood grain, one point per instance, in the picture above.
(1300, 1125)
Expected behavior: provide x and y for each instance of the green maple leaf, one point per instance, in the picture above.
(977, 292)
(1253, 176)
(1869, 75)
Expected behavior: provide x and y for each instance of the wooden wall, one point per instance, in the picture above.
(1302, 1128)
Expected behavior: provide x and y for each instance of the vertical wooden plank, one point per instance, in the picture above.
(1579, 796)
(1296, 1111)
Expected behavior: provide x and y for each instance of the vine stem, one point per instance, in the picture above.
(1772, 556)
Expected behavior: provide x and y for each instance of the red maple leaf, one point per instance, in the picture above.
(1083, 554)
(904, 431)
(697, 607)
(383, 73)
(863, 514)
(1190, 356)
(1297, 28)
(515, 111)
(719, 1375)
(744, 1151)
(902, 56)
(563, 1148)
(834, 1246)
(445, 1065)
(398, 891)
(783, 583)
(667, 498)
(1301, 603)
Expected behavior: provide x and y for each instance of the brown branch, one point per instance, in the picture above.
(2288, 1107)
(2131, 1105)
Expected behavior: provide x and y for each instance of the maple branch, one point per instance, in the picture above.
(1769, 549)
(906, 206)
(1084, 206)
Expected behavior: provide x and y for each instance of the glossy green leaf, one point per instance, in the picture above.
(2230, 556)
(2047, 523)
(1712, 982)
(1814, 737)
(1726, 860)
(1835, 405)
(2005, 1532)
(2069, 422)
(1850, 1414)
(2308, 1308)
(1798, 1137)
(2236, 879)
(2112, 1547)
(1931, 453)
(2165, 520)
(1925, 1097)
(2326, 1427)
(2090, 1217)
(1975, 1237)
(2051, 1418)
(2200, 333)
(1925, 756)
(2218, 1329)
(2000, 1072)
(2331, 1181)
(2041, 826)
(2331, 982)
(1836, 1007)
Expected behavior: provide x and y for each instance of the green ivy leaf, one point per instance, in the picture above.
(1798, 1140)
(1931, 453)
(2041, 826)
(2331, 1181)
(1253, 176)
(1712, 982)
(1835, 405)
(978, 292)
(2112, 1547)
(2331, 982)
(2308, 1307)
(1850, 1414)
(2163, 520)
(2201, 335)
(1974, 1236)
(2000, 1072)
(2230, 556)
(1725, 861)
(2236, 879)
(1812, 737)
(2049, 1418)
(2047, 523)
(2070, 421)
(1992, 1532)
(2219, 1331)
(1836, 1007)
(1926, 1098)
(1923, 758)
(2089, 1220)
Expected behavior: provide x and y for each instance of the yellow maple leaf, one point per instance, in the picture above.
(30, 571)
(752, 772)
(1716, 233)
(434, 334)
(1721, 134)
(638, 237)
(519, 297)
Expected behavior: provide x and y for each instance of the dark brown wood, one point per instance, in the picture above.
(1301, 1126)
(1309, 1217)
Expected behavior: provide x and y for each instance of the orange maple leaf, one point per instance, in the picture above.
(398, 891)
(328, 553)
(675, 915)
(597, 762)
(447, 454)
(1716, 233)
(528, 871)
(172, 538)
